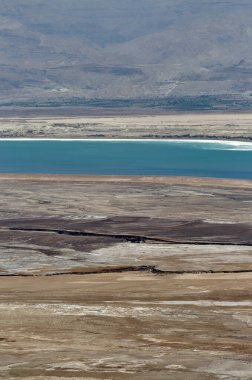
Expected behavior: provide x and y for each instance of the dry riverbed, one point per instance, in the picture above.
(125, 278)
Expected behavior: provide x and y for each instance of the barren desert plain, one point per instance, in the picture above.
(126, 277)
(228, 126)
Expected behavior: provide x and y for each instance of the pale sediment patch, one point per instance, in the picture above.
(140, 310)
(201, 303)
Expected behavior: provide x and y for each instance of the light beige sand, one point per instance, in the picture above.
(216, 126)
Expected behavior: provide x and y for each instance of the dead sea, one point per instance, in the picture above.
(196, 158)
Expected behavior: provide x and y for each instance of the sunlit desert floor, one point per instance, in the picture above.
(125, 278)
(211, 126)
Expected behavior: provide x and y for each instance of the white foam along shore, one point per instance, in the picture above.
(177, 140)
(229, 144)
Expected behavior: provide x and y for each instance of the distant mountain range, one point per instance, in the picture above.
(61, 52)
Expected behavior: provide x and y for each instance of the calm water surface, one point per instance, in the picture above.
(166, 157)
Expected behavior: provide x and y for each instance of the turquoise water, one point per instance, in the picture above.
(166, 157)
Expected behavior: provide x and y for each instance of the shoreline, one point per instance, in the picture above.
(189, 127)
(177, 140)
(165, 180)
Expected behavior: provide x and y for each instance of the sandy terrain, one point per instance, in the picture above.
(212, 126)
(125, 278)
(126, 326)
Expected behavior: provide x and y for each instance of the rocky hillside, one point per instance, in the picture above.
(65, 52)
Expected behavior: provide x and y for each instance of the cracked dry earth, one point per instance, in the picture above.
(125, 278)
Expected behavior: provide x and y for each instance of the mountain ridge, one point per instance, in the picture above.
(58, 51)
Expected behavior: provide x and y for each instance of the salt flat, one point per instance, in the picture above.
(212, 126)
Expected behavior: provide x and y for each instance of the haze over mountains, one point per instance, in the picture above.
(63, 52)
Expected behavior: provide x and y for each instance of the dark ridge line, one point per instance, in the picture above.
(143, 268)
(127, 238)
(131, 238)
